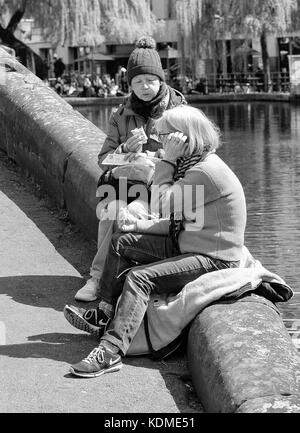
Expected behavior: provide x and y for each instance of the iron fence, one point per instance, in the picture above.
(245, 83)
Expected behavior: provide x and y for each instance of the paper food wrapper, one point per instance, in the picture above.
(140, 132)
(115, 159)
(119, 159)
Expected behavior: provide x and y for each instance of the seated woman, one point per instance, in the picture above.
(201, 229)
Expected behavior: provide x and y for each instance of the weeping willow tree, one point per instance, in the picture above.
(124, 21)
(261, 18)
(90, 22)
(217, 25)
(201, 23)
(76, 22)
(188, 14)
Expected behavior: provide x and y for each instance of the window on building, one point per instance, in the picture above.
(45, 53)
(163, 45)
(295, 45)
(172, 10)
(110, 49)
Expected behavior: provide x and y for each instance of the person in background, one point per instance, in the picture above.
(59, 86)
(194, 234)
(88, 90)
(97, 84)
(121, 79)
(113, 88)
(59, 67)
(149, 98)
(44, 73)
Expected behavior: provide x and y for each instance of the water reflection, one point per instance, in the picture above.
(261, 143)
(97, 115)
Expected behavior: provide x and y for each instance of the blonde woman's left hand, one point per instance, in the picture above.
(175, 146)
(126, 221)
(127, 228)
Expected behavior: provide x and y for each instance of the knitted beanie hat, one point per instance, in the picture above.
(145, 60)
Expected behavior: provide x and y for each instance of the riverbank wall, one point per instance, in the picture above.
(240, 354)
(195, 99)
(50, 141)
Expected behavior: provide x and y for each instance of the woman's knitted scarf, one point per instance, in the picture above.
(155, 108)
(184, 164)
(176, 221)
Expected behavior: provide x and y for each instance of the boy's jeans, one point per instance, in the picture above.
(138, 265)
(107, 223)
(106, 211)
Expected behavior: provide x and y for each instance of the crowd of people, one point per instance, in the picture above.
(77, 84)
(93, 85)
(87, 85)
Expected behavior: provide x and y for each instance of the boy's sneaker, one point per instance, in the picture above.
(98, 362)
(88, 292)
(92, 321)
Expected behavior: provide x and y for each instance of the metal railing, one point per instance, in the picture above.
(245, 83)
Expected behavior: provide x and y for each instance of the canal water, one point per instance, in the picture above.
(261, 143)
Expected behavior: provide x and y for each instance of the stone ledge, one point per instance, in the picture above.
(51, 142)
(240, 354)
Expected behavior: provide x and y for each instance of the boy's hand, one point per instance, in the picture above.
(135, 143)
(142, 158)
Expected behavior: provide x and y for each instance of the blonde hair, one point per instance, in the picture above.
(203, 134)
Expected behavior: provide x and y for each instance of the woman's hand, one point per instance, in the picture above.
(160, 153)
(127, 228)
(175, 146)
(126, 221)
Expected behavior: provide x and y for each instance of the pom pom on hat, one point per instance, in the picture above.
(145, 60)
(146, 42)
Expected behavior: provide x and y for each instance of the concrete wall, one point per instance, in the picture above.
(51, 141)
(240, 354)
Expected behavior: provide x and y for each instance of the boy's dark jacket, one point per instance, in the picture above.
(124, 120)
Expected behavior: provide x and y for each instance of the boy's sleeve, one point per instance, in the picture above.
(112, 141)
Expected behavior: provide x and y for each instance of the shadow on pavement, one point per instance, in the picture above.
(72, 348)
(53, 222)
(68, 348)
(42, 291)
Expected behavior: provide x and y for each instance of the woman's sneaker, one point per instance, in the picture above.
(92, 321)
(98, 362)
(88, 292)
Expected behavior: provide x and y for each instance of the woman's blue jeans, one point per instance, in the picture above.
(138, 265)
